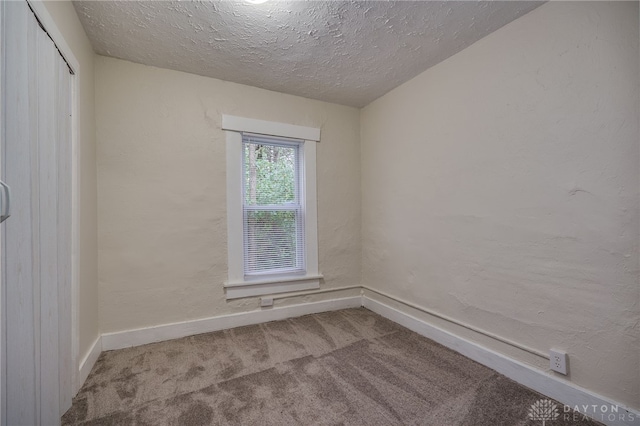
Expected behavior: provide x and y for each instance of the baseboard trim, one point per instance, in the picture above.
(142, 336)
(533, 378)
(88, 362)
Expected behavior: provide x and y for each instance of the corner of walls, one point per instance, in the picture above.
(87, 362)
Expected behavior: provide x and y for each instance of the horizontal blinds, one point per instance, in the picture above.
(272, 206)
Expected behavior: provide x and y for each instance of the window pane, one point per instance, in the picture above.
(271, 241)
(270, 174)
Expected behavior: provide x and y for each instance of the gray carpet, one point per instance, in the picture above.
(350, 367)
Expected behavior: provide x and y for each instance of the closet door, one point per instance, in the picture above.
(36, 238)
(20, 255)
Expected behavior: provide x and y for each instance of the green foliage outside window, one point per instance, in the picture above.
(270, 180)
(269, 174)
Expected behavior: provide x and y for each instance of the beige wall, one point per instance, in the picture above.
(500, 188)
(162, 185)
(68, 24)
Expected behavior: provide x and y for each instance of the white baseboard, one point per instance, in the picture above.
(88, 362)
(533, 378)
(142, 336)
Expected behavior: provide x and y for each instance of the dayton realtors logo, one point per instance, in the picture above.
(544, 410)
(602, 412)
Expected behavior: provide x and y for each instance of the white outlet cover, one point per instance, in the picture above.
(266, 301)
(558, 361)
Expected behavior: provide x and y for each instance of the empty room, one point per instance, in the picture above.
(288, 212)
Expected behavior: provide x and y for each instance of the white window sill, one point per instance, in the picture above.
(260, 287)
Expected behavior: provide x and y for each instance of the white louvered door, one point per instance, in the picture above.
(36, 252)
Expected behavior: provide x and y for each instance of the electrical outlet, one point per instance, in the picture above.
(558, 361)
(266, 301)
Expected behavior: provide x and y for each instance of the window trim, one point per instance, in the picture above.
(237, 285)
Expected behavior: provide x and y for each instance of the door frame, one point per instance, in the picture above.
(46, 20)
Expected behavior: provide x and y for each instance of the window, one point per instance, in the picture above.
(273, 218)
(271, 207)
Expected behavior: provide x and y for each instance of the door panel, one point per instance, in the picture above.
(37, 237)
(19, 256)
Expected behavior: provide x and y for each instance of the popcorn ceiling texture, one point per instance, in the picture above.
(346, 52)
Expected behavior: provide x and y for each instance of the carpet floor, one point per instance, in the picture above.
(350, 367)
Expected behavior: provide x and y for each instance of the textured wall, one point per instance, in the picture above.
(500, 188)
(162, 204)
(67, 22)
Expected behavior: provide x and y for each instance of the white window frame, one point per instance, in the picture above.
(296, 205)
(238, 285)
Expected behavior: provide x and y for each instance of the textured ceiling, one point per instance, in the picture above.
(347, 52)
